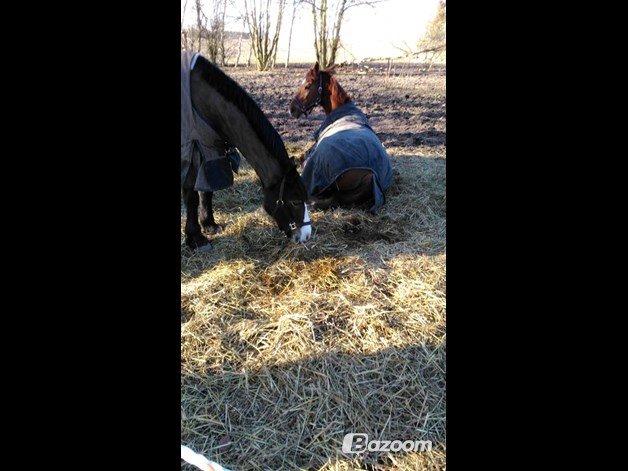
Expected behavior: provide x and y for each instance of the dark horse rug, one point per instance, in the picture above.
(207, 159)
(346, 141)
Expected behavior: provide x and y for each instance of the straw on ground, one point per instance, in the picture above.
(286, 348)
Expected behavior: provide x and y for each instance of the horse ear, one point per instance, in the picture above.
(331, 70)
(316, 68)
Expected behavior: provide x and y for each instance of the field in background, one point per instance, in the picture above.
(233, 44)
(285, 348)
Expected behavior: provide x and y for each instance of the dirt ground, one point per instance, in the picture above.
(406, 111)
(287, 347)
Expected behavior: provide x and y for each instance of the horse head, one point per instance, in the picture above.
(285, 201)
(317, 88)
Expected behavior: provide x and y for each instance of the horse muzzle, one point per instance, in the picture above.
(302, 234)
(296, 109)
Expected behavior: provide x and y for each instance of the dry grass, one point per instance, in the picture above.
(285, 348)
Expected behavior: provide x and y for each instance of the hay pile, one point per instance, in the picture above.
(286, 348)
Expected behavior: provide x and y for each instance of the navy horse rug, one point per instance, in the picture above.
(346, 141)
(208, 160)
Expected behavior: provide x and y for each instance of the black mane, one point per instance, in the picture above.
(235, 94)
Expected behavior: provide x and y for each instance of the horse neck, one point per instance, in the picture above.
(237, 128)
(337, 96)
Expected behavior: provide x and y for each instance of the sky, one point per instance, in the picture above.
(366, 32)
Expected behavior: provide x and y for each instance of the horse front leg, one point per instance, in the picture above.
(207, 214)
(194, 238)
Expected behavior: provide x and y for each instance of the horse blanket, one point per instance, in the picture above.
(346, 141)
(207, 159)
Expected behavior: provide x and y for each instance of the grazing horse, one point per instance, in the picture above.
(348, 166)
(224, 115)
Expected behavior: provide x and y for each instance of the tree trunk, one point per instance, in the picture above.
(335, 40)
(294, 8)
(199, 24)
(323, 33)
(316, 48)
(327, 40)
(222, 33)
(322, 43)
(185, 7)
(263, 46)
(237, 62)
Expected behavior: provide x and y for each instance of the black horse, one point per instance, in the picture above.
(237, 119)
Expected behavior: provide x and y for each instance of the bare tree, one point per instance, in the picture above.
(185, 7)
(215, 34)
(200, 16)
(240, 36)
(327, 38)
(209, 30)
(295, 5)
(263, 43)
(221, 34)
(184, 34)
(433, 44)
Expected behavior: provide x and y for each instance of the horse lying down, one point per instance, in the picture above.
(348, 166)
(217, 116)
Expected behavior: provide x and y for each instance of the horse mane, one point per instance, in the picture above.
(334, 86)
(236, 95)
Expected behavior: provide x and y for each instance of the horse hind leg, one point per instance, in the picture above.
(194, 238)
(208, 223)
(355, 189)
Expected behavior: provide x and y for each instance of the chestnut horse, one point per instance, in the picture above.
(348, 165)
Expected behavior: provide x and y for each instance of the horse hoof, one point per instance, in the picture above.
(198, 243)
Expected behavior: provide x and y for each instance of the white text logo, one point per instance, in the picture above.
(359, 443)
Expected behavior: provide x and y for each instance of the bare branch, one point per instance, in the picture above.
(410, 53)
(370, 3)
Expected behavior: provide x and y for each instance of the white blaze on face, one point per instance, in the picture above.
(305, 232)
